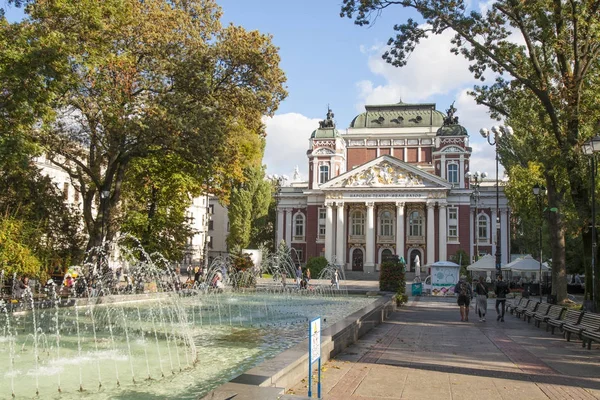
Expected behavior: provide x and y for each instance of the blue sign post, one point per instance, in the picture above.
(314, 353)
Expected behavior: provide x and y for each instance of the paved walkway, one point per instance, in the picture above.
(424, 352)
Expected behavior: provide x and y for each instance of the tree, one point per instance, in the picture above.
(157, 194)
(248, 211)
(554, 61)
(126, 80)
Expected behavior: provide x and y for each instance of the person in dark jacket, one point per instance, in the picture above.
(501, 289)
(465, 294)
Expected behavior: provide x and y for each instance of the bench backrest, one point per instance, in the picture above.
(590, 321)
(543, 308)
(531, 306)
(555, 312)
(573, 316)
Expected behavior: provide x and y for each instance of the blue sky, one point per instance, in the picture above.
(329, 60)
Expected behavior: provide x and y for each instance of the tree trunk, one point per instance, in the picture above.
(557, 238)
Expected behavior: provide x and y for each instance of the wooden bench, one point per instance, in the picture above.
(570, 317)
(589, 322)
(542, 310)
(522, 304)
(555, 312)
(531, 306)
(588, 337)
(510, 305)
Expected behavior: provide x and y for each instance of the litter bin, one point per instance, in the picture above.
(417, 289)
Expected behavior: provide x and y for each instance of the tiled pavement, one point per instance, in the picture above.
(424, 351)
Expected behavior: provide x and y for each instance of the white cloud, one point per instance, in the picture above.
(287, 143)
(431, 70)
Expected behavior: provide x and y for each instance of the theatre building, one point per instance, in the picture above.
(395, 183)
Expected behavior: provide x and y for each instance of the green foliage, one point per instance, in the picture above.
(461, 257)
(15, 255)
(248, 212)
(157, 194)
(115, 81)
(391, 277)
(316, 265)
(243, 264)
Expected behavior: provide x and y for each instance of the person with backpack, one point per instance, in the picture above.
(482, 296)
(465, 294)
(501, 290)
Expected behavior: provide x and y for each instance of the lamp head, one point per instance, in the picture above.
(484, 175)
(596, 144)
(484, 132)
(536, 189)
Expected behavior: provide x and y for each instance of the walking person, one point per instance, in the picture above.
(465, 294)
(335, 280)
(501, 290)
(482, 296)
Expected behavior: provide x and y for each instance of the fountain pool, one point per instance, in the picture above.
(160, 345)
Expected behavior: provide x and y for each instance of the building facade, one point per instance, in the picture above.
(394, 184)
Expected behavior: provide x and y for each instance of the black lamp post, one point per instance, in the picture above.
(498, 132)
(475, 180)
(539, 192)
(590, 148)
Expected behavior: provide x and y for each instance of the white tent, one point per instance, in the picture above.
(486, 263)
(526, 264)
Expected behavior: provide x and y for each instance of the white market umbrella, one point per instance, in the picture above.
(526, 264)
(444, 264)
(486, 263)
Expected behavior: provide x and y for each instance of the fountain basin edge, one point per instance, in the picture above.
(271, 378)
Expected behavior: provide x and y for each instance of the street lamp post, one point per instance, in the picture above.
(475, 182)
(590, 148)
(498, 132)
(539, 192)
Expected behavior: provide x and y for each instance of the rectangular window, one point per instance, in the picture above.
(452, 223)
(211, 209)
(322, 221)
(76, 196)
(66, 191)
(209, 242)
(453, 173)
(210, 225)
(299, 255)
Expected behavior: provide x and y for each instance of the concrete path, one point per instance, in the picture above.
(424, 351)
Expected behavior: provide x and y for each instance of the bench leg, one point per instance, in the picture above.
(589, 345)
(568, 336)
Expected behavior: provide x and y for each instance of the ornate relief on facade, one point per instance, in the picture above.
(323, 150)
(413, 141)
(453, 149)
(425, 141)
(324, 143)
(334, 195)
(451, 141)
(382, 175)
(355, 143)
(398, 142)
(385, 142)
(371, 142)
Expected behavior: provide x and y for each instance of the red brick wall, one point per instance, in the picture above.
(312, 222)
(411, 155)
(426, 154)
(398, 152)
(384, 151)
(359, 156)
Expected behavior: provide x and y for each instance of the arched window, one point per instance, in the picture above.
(386, 224)
(482, 228)
(415, 224)
(453, 173)
(386, 255)
(299, 225)
(358, 223)
(323, 173)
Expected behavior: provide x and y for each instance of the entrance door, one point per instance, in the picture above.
(413, 260)
(357, 260)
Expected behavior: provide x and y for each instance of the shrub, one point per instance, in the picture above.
(316, 266)
(391, 277)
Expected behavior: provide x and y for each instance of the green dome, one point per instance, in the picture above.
(399, 115)
(323, 133)
(452, 130)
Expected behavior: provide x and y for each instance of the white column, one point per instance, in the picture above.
(329, 233)
(430, 234)
(279, 226)
(443, 236)
(443, 166)
(472, 230)
(419, 154)
(494, 232)
(288, 227)
(400, 229)
(369, 265)
(505, 237)
(461, 172)
(340, 252)
(405, 154)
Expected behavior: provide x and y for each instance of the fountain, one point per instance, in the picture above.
(105, 341)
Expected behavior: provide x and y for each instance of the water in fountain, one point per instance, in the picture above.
(95, 341)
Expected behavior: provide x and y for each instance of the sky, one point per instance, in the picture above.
(330, 61)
